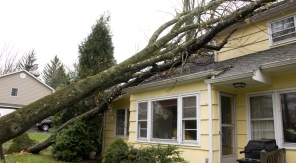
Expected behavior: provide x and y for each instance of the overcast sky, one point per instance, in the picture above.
(57, 27)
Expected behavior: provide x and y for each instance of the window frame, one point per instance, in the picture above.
(277, 115)
(280, 134)
(250, 120)
(126, 122)
(271, 43)
(14, 92)
(180, 129)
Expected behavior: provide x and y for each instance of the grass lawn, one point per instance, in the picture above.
(43, 157)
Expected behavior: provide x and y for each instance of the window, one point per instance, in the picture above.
(288, 109)
(122, 122)
(189, 118)
(14, 91)
(261, 117)
(282, 30)
(172, 119)
(273, 116)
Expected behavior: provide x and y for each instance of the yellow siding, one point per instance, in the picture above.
(200, 153)
(279, 82)
(249, 39)
(110, 119)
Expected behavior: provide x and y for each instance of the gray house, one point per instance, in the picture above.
(19, 89)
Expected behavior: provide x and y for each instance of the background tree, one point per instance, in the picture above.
(96, 51)
(54, 74)
(95, 55)
(8, 60)
(168, 47)
(28, 63)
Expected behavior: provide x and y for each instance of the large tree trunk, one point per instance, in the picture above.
(104, 104)
(18, 122)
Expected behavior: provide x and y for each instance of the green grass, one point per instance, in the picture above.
(44, 156)
(30, 158)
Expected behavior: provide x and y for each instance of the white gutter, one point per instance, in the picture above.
(210, 123)
(229, 78)
(278, 64)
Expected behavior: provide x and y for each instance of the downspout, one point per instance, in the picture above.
(210, 123)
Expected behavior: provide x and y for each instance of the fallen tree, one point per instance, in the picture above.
(114, 94)
(21, 120)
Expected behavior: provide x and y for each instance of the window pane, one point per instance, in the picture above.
(143, 133)
(288, 107)
(127, 127)
(164, 118)
(189, 107)
(261, 107)
(228, 141)
(120, 130)
(190, 135)
(120, 119)
(283, 29)
(14, 91)
(226, 109)
(262, 129)
(143, 129)
(142, 112)
(190, 124)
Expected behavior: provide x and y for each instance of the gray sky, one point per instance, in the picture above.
(57, 27)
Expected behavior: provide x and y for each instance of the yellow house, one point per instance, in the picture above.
(247, 92)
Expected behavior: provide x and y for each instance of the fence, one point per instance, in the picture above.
(278, 156)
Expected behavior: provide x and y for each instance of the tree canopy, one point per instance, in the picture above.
(96, 51)
(28, 63)
(54, 73)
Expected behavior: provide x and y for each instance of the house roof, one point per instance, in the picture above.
(24, 71)
(228, 70)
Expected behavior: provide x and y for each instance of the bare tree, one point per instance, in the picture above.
(8, 59)
(161, 49)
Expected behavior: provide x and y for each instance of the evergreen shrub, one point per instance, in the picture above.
(20, 143)
(72, 144)
(117, 151)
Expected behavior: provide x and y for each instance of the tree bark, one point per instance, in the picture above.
(18, 122)
(104, 104)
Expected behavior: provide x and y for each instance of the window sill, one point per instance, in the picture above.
(291, 40)
(121, 136)
(288, 146)
(171, 142)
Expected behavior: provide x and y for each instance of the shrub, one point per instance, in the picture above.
(153, 154)
(116, 152)
(20, 143)
(73, 143)
(119, 152)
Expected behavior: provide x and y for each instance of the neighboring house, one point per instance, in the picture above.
(211, 112)
(19, 89)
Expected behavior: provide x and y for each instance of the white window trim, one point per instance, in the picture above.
(277, 115)
(126, 121)
(16, 92)
(271, 43)
(179, 140)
